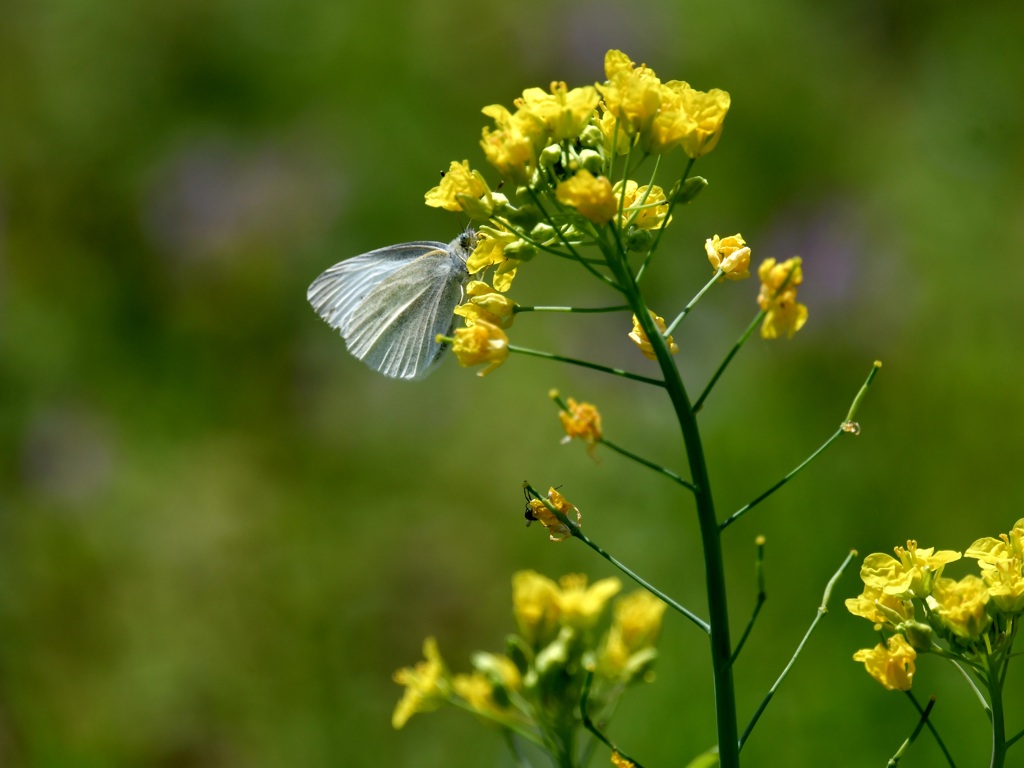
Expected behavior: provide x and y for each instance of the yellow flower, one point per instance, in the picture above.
(646, 206)
(730, 254)
(565, 113)
(634, 629)
(591, 195)
(480, 343)
(778, 298)
(535, 605)
(459, 180)
(607, 122)
(632, 94)
(960, 606)
(706, 113)
(620, 762)
(490, 252)
(582, 421)
(425, 685)
(1007, 547)
(876, 606)
(557, 530)
(485, 304)
(581, 606)
(892, 665)
(477, 691)
(911, 575)
(1002, 567)
(512, 146)
(639, 338)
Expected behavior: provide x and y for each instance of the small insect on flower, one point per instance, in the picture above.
(390, 304)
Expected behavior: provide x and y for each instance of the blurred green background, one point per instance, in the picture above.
(219, 534)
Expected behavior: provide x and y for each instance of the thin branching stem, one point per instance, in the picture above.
(743, 510)
(761, 597)
(661, 230)
(692, 304)
(728, 359)
(591, 726)
(576, 533)
(822, 610)
(934, 732)
(895, 759)
(848, 426)
(585, 364)
(581, 310)
(649, 464)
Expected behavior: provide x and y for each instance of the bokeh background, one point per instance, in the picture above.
(219, 534)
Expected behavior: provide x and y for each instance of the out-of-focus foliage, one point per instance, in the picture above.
(219, 534)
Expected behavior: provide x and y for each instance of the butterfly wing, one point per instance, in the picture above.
(337, 293)
(393, 329)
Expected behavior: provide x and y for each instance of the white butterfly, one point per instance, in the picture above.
(391, 303)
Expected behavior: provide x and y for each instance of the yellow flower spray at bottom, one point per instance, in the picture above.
(534, 689)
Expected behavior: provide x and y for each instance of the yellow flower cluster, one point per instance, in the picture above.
(663, 115)
(541, 675)
(908, 598)
(783, 315)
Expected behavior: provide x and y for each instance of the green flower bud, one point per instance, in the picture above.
(521, 250)
(638, 240)
(525, 217)
(592, 161)
(918, 634)
(592, 137)
(689, 189)
(543, 233)
(550, 156)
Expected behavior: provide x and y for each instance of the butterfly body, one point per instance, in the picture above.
(390, 304)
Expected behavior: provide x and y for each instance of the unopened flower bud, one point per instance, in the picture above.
(638, 240)
(543, 233)
(520, 249)
(550, 156)
(591, 160)
(919, 635)
(591, 137)
(689, 189)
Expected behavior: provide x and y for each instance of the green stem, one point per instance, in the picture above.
(934, 732)
(591, 726)
(822, 610)
(711, 542)
(848, 426)
(578, 534)
(661, 229)
(998, 719)
(505, 724)
(743, 510)
(585, 364)
(513, 747)
(649, 464)
(693, 303)
(574, 530)
(925, 713)
(761, 597)
(517, 309)
(557, 397)
(728, 359)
